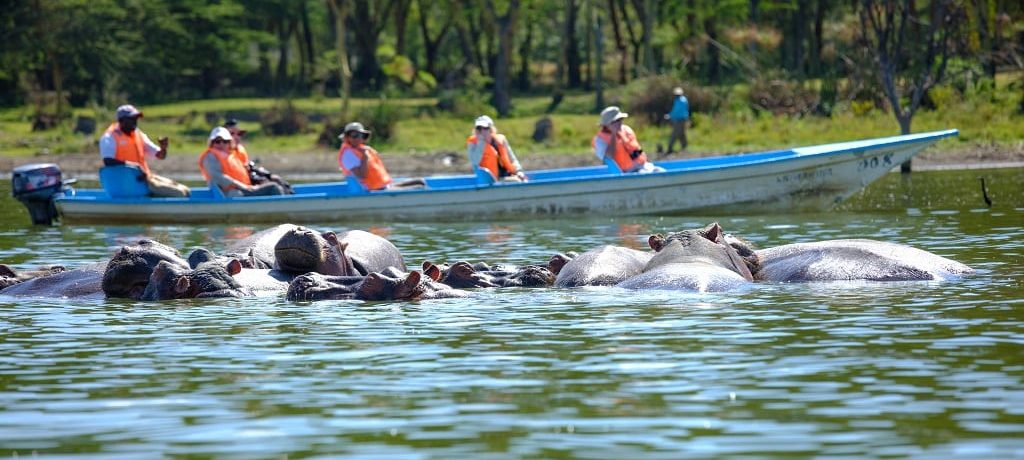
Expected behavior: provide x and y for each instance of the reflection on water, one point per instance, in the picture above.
(922, 369)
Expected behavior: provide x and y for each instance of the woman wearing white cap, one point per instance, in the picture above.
(491, 152)
(227, 172)
(616, 143)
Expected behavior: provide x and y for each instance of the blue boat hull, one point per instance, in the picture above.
(813, 177)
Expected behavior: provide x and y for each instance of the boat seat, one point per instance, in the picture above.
(217, 193)
(354, 187)
(613, 167)
(483, 176)
(122, 181)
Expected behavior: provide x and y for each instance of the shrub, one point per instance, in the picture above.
(781, 97)
(283, 119)
(651, 98)
(382, 120)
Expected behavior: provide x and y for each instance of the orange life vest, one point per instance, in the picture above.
(229, 165)
(130, 147)
(241, 153)
(626, 145)
(494, 153)
(376, 177)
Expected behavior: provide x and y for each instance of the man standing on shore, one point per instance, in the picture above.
(680, 117)
(124, 144)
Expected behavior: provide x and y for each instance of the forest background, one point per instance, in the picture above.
(758, 74)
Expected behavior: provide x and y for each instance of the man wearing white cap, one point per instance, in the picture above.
(362, 164)
(616, 143)
(491, 152)
(124, 144)
(222, 169)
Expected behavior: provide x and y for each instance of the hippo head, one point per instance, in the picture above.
(460, 275)
(709, 244)
(128, 272)
(378, 286)
(301, 250)
(208, 279)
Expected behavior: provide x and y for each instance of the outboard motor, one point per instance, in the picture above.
(36, 186)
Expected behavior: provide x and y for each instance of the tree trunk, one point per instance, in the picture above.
(816, 38)
(572, 49)
(524, 58)
(339, 8)
(506, 26)
(599, 74)
(714, 54)
(620, 42)
(401, 19)
(284, 32)
(307, 37)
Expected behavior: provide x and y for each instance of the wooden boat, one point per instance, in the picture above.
(805, 178)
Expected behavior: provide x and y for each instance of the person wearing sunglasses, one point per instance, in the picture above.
(616, 144)
(227, 172)
(124, 144)
(490, 151)
(257, 174)
(362, 163)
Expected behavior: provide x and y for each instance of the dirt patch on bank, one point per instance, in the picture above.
(323, 164)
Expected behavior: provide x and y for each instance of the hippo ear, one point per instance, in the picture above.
(432, 271)
(234, 267)
(425, 264)
(331, 237)
(713, 232)
(407, 288)
(182, 285)
(556, 263)
(6, 271)
(656, 242)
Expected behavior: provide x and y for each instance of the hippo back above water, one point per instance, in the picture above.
(853, 259)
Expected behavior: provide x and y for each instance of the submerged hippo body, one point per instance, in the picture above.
(355, 252)
(692, 260)
(82, 282)
(855, 259)
(9, 277)
(602, 266)
(387, 285)
(463, 275)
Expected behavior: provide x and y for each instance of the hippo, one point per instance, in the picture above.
(213, 278)
(257, 250)
(692, 260)
(79, 283)
(300, 250)
(463, 275)
(602, 266)
(852, 259)
(127, 273)
(387, 285)
(9, 277)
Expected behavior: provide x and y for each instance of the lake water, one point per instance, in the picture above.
(836, 370)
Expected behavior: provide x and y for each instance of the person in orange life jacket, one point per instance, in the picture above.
(363, 164)
(237, 149)
(617, 141)
(221, 169)
(124, 144)
(257, 174)
(491, 151)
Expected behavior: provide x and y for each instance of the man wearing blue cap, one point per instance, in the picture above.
(124, 144)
